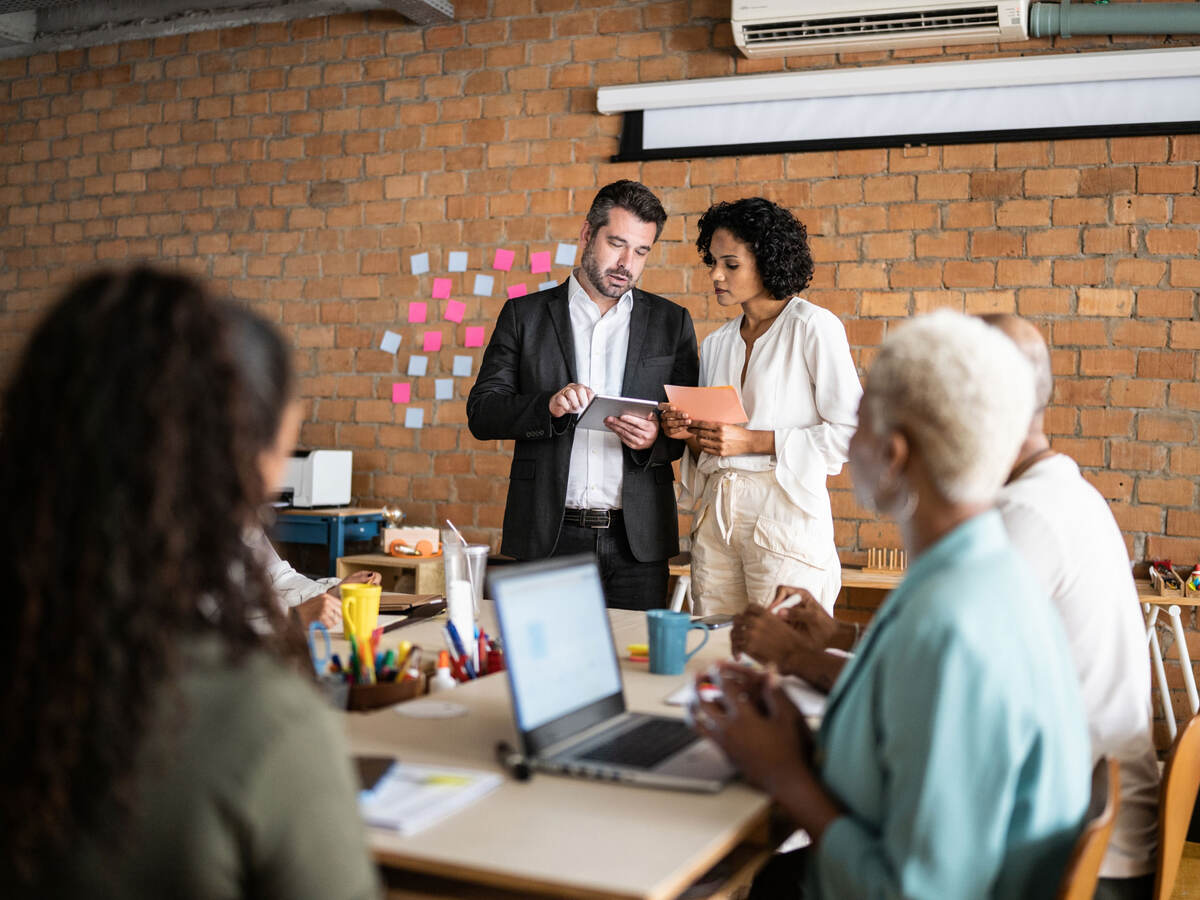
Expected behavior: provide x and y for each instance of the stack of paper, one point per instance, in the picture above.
(411, 797)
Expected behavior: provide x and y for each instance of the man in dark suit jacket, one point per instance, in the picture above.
(610, 493)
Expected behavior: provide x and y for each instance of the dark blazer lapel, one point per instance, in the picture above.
(559, 309)
(639, 323)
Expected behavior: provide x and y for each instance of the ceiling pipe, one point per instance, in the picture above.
(1067, 18)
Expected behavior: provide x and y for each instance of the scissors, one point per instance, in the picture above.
(320, 660)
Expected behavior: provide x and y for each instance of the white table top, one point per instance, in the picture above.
(553, 834)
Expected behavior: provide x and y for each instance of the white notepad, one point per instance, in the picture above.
(409, 797)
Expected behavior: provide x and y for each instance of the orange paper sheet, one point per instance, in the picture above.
(708, 404)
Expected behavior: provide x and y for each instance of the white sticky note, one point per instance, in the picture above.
(417, 365)
(443, 388)
(546, 285)
(414, 417)
(483, 285)
(462, 366)
(390, 342)
(419, 262)
(564, 254)
(458, 261)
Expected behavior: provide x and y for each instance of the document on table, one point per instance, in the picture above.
(803, 695)
(410, 797)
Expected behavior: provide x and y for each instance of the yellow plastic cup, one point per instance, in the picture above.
(360, 609)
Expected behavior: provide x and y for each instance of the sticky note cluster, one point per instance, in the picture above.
(503, 259)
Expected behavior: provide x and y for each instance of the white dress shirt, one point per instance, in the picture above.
(802, 385)
(601, 345)
(291, 588)
(1066, 532)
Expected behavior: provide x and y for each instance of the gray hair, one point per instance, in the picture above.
(962, 392)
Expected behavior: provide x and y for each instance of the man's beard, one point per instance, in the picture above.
(592, 269)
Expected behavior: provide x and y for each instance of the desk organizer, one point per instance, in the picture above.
(883, 561)
(365, 697)
(1160, 586)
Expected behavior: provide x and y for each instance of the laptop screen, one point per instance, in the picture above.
(557, 644)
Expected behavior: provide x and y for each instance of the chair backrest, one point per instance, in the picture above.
(1083, 869)
(1176, 798)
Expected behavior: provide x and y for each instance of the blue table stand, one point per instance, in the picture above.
(331, 527)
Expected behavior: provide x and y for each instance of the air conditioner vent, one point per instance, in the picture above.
(783, 27)
(878, 25)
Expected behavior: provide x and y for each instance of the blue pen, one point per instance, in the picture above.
(460, 649)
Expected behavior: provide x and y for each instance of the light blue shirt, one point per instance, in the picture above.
(955, 739)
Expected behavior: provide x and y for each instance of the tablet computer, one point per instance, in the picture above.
(602, 407)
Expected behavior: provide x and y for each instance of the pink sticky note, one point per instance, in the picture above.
(416, 312)
(517, 290)
(503, 260)
(539, 262)
(401, 393)
(474, 336)
(433, 342)
(455, 310)
(441, 288)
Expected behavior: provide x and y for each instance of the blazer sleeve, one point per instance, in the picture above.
(496, 407)
(684, 371)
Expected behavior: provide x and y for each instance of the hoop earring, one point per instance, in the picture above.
(906, 510)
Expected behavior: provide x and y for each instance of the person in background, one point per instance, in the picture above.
(953, 756)
(309, 599)
(1064, 529)
(158, 744)
(610, 493)
(1066, 532)
(762, 514)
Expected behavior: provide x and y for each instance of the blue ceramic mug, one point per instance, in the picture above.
(668, 640)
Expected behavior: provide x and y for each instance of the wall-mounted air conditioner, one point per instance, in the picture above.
(796, 27)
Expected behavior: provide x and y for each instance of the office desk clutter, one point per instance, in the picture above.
(408, 798)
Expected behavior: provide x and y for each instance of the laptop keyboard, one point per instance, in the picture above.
(643, 746)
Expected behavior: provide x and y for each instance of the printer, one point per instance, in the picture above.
(317, 478)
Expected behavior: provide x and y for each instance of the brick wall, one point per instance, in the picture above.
(298, 165)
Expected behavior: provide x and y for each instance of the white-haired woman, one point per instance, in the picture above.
(953, 758)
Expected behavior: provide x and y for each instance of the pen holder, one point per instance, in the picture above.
(365, 697)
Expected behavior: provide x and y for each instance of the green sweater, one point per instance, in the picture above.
(244, 790)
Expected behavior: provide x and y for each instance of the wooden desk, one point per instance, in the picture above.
(405, 574)
(553, 835)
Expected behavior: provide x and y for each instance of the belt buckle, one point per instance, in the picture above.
(597, 518)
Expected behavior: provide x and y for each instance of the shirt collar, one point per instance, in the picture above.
(576, 294)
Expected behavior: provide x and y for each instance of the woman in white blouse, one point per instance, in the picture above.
(762, 514)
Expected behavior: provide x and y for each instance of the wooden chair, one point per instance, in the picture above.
(1176, 799)
(1083, 869)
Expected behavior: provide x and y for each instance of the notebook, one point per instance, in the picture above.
(407, 797)
(567, 695)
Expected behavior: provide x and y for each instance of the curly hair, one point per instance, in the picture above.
(129, 457)
(778, 240)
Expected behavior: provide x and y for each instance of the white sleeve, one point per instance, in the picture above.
(691, 480)
(806, 455)
(290, 586)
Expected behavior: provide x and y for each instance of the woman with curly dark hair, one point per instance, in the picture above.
(157, 743)
(762, 514)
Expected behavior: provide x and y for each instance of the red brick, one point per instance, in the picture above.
(1165, 428)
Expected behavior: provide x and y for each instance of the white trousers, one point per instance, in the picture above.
(749, 538)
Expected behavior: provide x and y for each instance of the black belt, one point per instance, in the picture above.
(592, 518)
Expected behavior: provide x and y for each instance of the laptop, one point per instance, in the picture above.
(567, 696)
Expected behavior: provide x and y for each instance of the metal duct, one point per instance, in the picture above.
(1067, 18)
